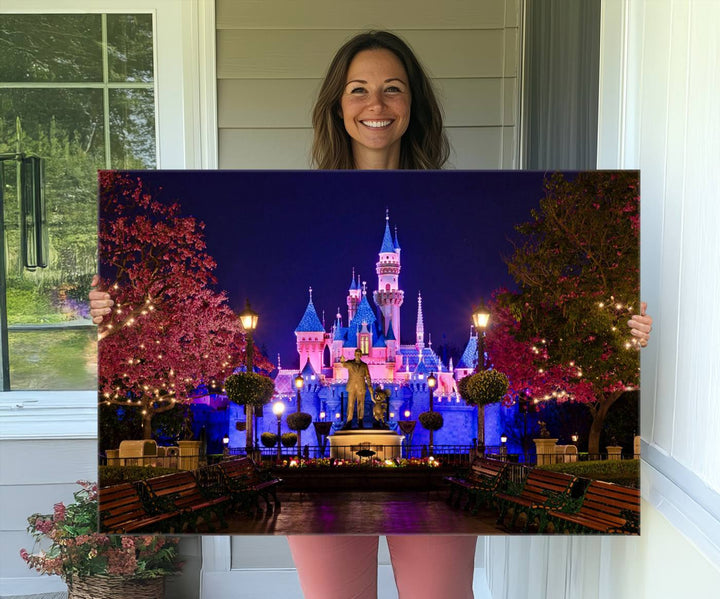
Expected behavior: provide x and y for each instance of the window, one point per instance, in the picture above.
(78, 91)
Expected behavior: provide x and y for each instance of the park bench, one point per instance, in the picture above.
(122, 510)
(479, 482)
(541, 490)
(246, 483)
(181, 492)
(606, 508)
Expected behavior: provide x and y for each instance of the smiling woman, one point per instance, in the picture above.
(363, 109)
(375, 108)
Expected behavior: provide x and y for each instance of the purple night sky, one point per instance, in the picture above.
(276, 233)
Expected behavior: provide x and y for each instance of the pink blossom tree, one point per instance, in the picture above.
(564, 336)
(169, 331)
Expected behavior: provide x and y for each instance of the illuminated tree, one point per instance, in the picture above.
(565, 334)
(169, 331)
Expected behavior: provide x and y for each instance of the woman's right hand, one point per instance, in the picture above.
(100, 302)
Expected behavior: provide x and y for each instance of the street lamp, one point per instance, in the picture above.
(226, 442)
(574, 438)
(503, 443)
(480, 318)
(432, 383)
(278, 409)
(407, 426)
(249, 320)
(299, 382)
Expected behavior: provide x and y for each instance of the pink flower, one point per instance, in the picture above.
(128, 542)
(59, 512)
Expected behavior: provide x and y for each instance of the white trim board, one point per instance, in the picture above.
(683, 498)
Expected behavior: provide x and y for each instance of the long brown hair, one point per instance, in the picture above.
(424, 144)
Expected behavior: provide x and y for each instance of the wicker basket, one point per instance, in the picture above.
(116, 587)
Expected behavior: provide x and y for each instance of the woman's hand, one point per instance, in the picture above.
(100, 302)
(641, 325)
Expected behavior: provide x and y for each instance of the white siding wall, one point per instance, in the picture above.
(660, 81)
(271, 58)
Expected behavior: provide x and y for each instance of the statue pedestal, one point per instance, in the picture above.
(344, 444)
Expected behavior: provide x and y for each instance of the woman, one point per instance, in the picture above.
(377, 110)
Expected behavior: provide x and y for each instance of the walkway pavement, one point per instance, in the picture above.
(365, 513)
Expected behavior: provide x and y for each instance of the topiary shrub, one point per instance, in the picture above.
(249, 389)
(299, 421)
(288, 439)
(483, 388)
(269, 439)
(431, 421)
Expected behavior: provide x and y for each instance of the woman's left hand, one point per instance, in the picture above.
(641, 325)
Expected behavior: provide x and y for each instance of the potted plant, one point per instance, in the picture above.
(431, 421)
(269, 439)
(298, 422)
(288, 439)
(98, 566)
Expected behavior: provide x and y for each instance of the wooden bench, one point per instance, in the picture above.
(542, 490)
(246, 483)
(606, 508)
(181, 492)
(480, 483)
(122, 511)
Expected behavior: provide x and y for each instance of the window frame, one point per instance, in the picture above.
(186, 138)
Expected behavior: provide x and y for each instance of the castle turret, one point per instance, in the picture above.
(353, 297)
(388, 296)
(469, 359)
(310, 336)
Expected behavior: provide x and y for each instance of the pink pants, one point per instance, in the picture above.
(345, 567)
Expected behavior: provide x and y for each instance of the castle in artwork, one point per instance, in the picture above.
(372, 325)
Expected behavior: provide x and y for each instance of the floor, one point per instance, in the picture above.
(366, 513)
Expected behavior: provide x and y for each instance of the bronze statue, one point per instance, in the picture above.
(358, 381)
(380, 403)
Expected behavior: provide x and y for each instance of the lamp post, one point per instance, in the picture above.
(503, 446)
(278, 409)
(480, 318)
(431, 383)
(299, 382)
(407, 426)
(226, 442)
(249, 320)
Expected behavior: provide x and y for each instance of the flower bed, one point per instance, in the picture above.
(331, 475)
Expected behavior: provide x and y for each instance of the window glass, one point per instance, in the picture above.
(36, 48)
(58, 102)
(130, 47)
(132, 128)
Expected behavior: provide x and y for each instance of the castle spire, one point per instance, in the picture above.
(387, 243)
(310, 320)
(279, 361)
(420, 326)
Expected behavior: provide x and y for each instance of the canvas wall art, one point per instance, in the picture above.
(296, 352)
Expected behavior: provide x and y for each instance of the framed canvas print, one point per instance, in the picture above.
(295, 352)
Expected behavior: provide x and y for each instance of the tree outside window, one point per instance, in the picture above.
(77, 90)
